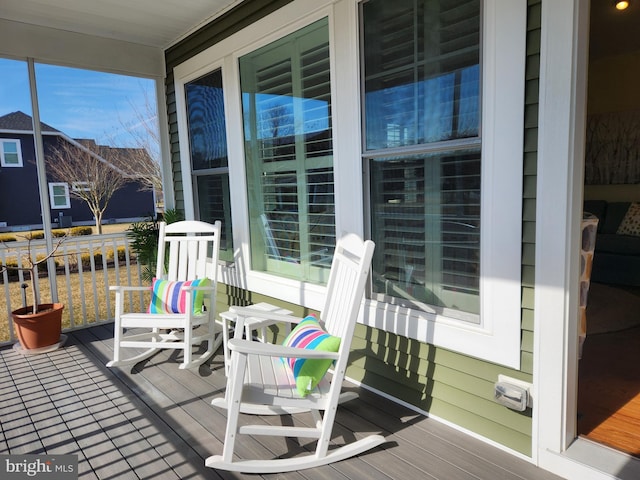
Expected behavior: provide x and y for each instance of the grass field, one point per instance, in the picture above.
(114, 228)
(86, 301)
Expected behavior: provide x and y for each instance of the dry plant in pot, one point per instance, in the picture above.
(37, 325)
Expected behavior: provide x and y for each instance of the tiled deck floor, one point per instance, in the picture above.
(155, 421)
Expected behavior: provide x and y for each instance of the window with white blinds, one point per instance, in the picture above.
(286, 100)
(208, 153)
(421, 76)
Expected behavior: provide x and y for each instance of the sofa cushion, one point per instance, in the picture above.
(618, 244)
(631, 222)
(615, 213)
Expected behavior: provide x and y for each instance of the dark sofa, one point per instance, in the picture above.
(617, 257)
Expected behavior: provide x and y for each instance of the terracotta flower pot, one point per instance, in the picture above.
(41, 329)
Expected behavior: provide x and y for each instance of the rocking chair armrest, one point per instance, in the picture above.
(270, 350)
(247, 312)
(199, 288)
(126, 288)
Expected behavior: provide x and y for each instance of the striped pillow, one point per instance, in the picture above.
(168, 297)
(308, 372)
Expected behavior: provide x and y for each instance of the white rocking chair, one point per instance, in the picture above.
(177, 299)
(261, 382)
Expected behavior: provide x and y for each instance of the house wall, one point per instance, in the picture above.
(130, 202)
(20, 196)
(448, 385)
(127, 203)
(613, 89)
(613, 84)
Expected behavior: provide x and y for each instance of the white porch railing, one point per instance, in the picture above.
(86, 266)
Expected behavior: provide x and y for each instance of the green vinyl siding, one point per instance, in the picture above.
(449, 393)
(446, 384)
(532, 83)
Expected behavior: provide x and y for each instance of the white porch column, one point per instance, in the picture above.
(43, 186)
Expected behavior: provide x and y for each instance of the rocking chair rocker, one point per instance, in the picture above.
(177, 298)
(261, 381)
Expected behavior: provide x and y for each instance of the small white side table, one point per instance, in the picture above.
(251, 324)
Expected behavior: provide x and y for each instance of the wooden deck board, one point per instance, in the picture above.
(156, 421)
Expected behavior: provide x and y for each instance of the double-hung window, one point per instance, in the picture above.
(59, 195)
(209, 159)
(442, 101)
(422, 105)
(82, 186)
(10, 153)
(286, 103)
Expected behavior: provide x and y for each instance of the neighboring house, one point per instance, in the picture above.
(19, 194)
(461, 154)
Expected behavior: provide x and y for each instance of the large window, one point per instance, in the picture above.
(209, 159)
(422, 146)
(286, 100)
(434, 176)
(443, 108)
(10, 153)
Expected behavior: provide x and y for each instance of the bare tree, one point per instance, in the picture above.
(143, 161)
(611, 152)
(91, 171)
(138, 164)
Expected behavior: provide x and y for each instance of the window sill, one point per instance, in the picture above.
(501, 346)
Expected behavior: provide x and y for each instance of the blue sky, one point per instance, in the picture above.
(81, 103)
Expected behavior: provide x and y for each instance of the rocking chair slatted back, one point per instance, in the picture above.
(190, 250)
(345, 288)
(187, 255)
(261, 383)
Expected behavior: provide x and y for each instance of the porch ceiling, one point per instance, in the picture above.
(613, 32)
(162, 23)
(147, 22)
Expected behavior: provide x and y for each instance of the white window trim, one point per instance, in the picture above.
(82, 186)
(52, 185)
(18, 149)
(497, 338)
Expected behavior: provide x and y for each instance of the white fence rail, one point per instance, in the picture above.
(86, 266)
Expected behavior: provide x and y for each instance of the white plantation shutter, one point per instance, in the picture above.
(422, 148)
(289, 154)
